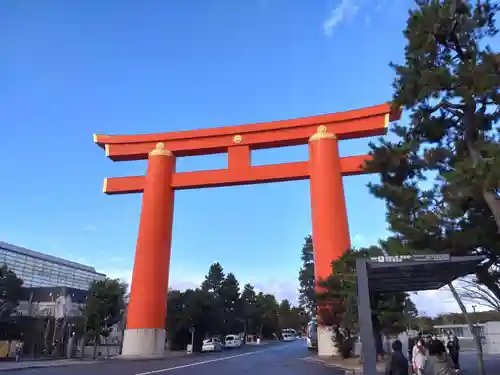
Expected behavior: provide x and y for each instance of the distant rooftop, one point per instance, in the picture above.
(49, 258)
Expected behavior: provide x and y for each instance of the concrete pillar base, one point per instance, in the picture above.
(326, 344)
(143, 343)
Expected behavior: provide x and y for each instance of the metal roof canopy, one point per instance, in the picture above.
(407, 273)
(402, 273)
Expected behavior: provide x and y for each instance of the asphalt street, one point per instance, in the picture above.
(276, 359)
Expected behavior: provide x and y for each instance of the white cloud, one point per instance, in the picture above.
(89, 228)
(434, 302)
(343, 11)
(116, 273)
(281, 289)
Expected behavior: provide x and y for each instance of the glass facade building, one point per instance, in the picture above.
(42, 270)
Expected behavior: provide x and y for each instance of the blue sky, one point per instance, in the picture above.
(71, 69)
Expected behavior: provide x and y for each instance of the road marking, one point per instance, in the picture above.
(200, 363)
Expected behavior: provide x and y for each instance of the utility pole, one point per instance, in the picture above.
(477, 339)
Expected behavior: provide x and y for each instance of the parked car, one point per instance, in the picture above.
(232, 341)
(289, 334)
(211, 345)
(312, 335)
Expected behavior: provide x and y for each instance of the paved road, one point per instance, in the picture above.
(468, 363)
(276, 359)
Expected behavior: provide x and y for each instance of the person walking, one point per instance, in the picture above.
(419, 355)
(411, 343)
(438, 362)
(19, 350)
(453, 347)
(398, 365)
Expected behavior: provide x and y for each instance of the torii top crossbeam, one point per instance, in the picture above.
(238, 141)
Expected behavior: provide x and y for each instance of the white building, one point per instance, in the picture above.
(489, 332)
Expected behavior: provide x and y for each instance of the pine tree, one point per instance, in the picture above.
(249, 308)
(214, 279)
(410, 313)
(307, 293)
(229, 300)
(440, 179)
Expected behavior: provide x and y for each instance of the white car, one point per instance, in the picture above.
(289, 334)
(312, 335)
(211, 345)
(232, 341)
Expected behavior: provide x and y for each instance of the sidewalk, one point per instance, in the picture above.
(31, 364)
(350, 366)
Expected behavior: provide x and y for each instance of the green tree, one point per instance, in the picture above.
(289, 316)
(425, 324)
(176, 329)
(267, 313)
(214, 279)
(104, 308)
(218, 307)
(410, 313)
(212, 285)
(298, 318)
(285, 314)
(440, 178)
(390, 311)
(10, 292)
(337, 303)
(231, 306)
(193, 308)
(249, 308)
(307, 293)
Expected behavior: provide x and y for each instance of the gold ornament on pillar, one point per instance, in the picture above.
(160, 150)
(322, 133)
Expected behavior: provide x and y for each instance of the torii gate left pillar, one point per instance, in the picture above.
(145, 333)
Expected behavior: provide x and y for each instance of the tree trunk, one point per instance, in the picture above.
(97, 341)
(46, 336)
(477, 339)
(494, 205)
(84, 341)
(489, 197)
(245, 327)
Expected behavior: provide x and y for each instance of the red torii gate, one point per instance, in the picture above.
(145, 333)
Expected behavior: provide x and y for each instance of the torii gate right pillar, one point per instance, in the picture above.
(330, 230)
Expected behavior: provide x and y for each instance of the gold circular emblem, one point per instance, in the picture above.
(237, 139)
